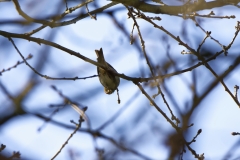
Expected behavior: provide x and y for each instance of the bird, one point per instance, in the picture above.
(109, 81)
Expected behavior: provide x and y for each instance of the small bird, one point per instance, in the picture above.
(109, 81)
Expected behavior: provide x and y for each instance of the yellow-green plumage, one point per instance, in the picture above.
(106, 78)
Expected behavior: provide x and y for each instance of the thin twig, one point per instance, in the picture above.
(156, 106)
(45, 76)
(195, 137)
(92, 16)
(53, 24)
(210, 15)
(236, 87)
(143, 49)
(15, 66)
(207, 33)
(66, 4)
(131, 35)
(178, 130)
(119, 101)
(224, 85)
(35, 30)
(71, 135)
(150, 67)
(235, 35)
(68, 11)
(50, 117)
(198, 55)
(98, 134)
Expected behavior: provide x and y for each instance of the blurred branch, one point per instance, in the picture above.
(95, 133)
(188, 10)
(178, 129)
(210, 87)
(50, 117)
(235, 133)
(229, 154)
(2, 147)
(80, 111)
(130, 14)
(66, 4)
(74, 20)
(52, 23)
(174, 10)
(44, 22)
(55, 45)
(17, 100)
(120, 26)
(15, 155)
(95, 63)
(71, 135)
(68, 11)
(119, 112)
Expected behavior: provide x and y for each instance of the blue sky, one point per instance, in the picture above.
(217, 114)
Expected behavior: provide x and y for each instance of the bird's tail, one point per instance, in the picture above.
(100, 56)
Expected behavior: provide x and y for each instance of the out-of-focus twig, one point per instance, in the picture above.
(119, 112)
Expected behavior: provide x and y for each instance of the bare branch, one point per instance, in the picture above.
(17, 64)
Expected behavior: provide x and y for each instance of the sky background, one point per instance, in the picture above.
(139, 126)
